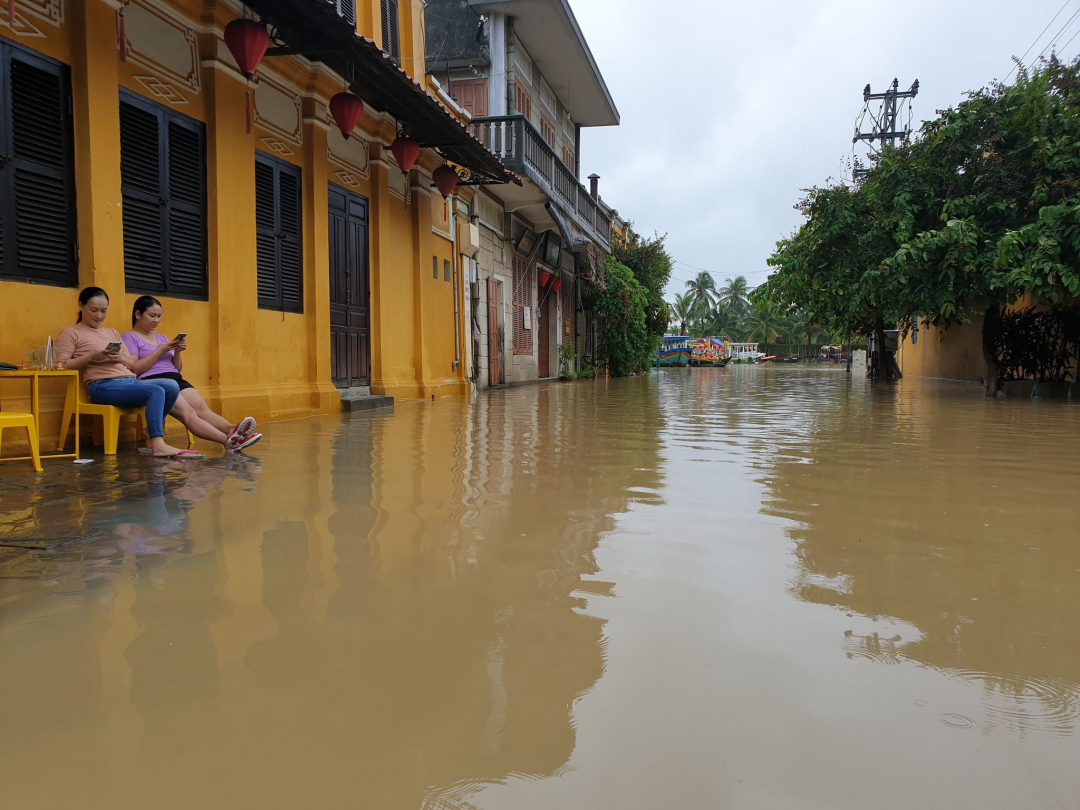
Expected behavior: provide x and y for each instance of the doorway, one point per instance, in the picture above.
(544, 329)
(350, 344)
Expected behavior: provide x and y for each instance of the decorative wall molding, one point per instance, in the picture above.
(351, 154)
(161, 90)
(347, 178)
(164, 44)
(276, 146)
(277, 109)
(30, 12)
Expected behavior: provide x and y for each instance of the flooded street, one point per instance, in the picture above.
(743, 588)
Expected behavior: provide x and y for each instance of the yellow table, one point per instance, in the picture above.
(35, 378)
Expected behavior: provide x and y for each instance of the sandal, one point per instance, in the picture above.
(186, 455)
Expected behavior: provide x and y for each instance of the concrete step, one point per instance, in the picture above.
(356, 391)
(357, 404)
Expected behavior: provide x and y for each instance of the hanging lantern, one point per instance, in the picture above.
(346, 109)
(446, 180)
(556, 285)
(247, 41)
(406, 151)
(543, 277)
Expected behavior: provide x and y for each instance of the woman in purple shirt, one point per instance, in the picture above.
(158, 358)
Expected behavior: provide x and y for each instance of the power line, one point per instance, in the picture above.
(1020, 61)
(1068, 22)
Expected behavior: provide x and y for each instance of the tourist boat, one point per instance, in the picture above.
(745, 353)
(675, 351)
(708, 351)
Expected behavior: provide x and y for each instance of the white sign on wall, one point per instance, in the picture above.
(526, 313)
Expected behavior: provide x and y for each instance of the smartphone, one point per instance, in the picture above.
(180, 337)
(113, 347)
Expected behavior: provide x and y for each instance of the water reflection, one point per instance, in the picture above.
(390, 606)
(950, 524)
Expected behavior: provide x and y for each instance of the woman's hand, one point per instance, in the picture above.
(178, 345)
(104, 356)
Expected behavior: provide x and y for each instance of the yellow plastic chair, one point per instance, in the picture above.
(23, 420)
(110, 420)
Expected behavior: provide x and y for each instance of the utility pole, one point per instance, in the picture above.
(885, 127)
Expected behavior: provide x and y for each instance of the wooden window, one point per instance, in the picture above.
(471, 95)
(523, 338)
(347, 10)
(568, 311)
(37, 186)
(435, 267)
(277, 234)
(568, 157)
(522, 101)
(163, 184)
(391, 37)
(547, 131)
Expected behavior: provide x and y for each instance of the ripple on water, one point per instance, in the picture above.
(1027, 704)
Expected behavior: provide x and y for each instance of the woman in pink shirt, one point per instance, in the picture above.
(159, 359)
(97, 352)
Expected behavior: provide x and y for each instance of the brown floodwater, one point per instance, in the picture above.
(739, 588)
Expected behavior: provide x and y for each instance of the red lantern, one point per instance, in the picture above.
(346, 109)
(556, 285)
(247, 41)
(543, 277)
(446, 179)
(406, 151)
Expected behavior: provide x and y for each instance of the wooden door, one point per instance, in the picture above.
(494, 350)
(350, 347)
(471, 94)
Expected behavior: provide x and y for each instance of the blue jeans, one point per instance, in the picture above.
(158, 397)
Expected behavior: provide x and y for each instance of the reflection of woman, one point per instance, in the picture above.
(97, 352)
(158, 358)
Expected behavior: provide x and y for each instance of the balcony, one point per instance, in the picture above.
(519, 145)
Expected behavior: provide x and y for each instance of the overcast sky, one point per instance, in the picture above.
(729, 109)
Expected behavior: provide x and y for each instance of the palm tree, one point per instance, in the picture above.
(702, 290)
(736, 293)
(682, 310)
(764, 322)
(724, 321)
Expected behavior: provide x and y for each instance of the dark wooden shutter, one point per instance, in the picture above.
(347, 9)
(278, 211)
(37, 197)
(522, 298)
(163, 182)
(390, 33)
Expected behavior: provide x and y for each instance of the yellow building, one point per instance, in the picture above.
(301, 262)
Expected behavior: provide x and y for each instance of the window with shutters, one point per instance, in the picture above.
(523, 338)
(163, 183)
(522, 101)
(391, 37)
(568, 157)
(347, 10)
(277, 234)
(37, 187)
(547, 131)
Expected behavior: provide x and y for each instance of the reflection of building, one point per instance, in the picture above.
(298, 256)
(524, 73)
(916, 515)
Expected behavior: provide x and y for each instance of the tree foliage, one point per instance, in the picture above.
(983, 207)
(650, 263)
(627, 345)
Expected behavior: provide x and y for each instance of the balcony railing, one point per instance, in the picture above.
(519, 145)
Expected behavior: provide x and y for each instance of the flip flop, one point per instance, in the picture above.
(187, 455)
(146, 451)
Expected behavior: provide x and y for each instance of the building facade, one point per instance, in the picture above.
(301, 260)
(523, 72)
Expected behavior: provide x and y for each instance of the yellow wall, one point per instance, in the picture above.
(953, 355)
(245, 359)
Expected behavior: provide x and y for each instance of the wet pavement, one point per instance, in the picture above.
(738, 588)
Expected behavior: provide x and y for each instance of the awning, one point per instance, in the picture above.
(313, 28)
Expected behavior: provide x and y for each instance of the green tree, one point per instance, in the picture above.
(736, 293)
(627, 345)
(702, 290)
(682, 311)
(650, 263)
